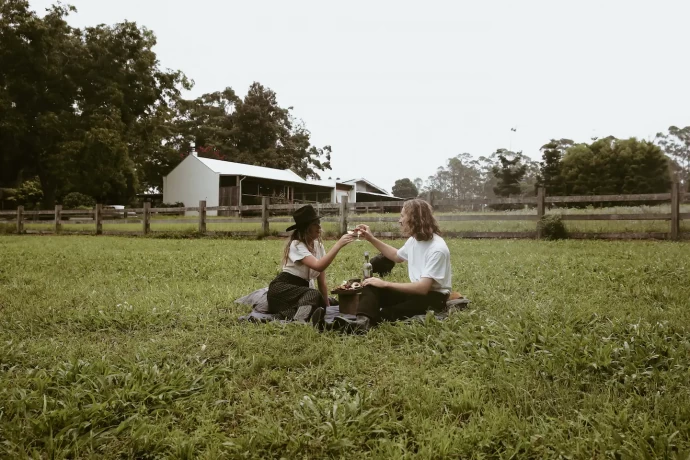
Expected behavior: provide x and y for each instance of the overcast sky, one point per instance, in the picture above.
(398, 87)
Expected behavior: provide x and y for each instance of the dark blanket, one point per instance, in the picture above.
(260, 314)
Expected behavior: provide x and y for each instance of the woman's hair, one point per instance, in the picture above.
(299, 234)
(419, 221)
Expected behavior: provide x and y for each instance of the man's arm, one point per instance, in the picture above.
(323, 287)
(388, 251)
(421, 287)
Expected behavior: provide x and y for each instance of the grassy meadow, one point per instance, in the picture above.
(131, 348)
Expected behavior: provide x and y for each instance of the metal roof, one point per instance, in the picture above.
(228, 168)
(361, 179)
(387, 195)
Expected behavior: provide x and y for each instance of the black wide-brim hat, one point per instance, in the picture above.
(303, 217)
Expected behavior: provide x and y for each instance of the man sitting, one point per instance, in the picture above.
(428, 259)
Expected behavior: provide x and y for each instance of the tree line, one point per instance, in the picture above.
(91, 113)
(606, 166)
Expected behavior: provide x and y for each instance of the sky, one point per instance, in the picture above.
(397, 87)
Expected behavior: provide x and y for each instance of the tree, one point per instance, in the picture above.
(405, 188)
(508, 173)
(676, 144)
(550, 176)
(254, 130)
(29, 194)
(81, 109)
(614, 166)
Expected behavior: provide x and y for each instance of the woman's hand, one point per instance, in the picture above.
(376, 282)
(365, 231)
(345, 240)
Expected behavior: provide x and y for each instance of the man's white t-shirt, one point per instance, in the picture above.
(299, 251)
(428, 259)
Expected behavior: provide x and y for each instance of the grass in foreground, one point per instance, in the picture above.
(131, 348)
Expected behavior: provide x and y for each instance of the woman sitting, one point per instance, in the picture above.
(291, 294)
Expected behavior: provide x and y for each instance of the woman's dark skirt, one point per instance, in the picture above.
(291, 297)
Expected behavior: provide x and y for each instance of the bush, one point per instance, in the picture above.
(552, 227)
(76, 200)
(29, 194)
(177, 204)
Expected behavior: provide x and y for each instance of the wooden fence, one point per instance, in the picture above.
(342, 212)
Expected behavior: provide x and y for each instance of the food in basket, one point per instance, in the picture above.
(351, 285)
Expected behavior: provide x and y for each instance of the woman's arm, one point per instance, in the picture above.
(322, 264)
(323, 287)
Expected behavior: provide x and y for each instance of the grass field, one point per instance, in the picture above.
(190, 224)
(123, 347)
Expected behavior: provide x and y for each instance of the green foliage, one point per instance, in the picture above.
(29, 194)
(76, 200)
(676, 144)
(405, 188)
(552, 227)
(550, 175)
(8, 197)
(569, 349)
(614, 166)
(81, 108)
(508, 173)
(254, 130)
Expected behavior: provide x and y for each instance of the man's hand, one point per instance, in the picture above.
(376, 282)
(365, 231)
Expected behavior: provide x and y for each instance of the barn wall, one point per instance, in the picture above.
(190, 182)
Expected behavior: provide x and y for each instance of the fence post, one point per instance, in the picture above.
(264, 215)
(343, 215)
(202, 216)
(58, 218)
(540, 210)
(20, 219)
(147, 217)
(98, 218)
(675, 210)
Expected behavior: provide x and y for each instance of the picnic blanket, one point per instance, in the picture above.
(259, 303)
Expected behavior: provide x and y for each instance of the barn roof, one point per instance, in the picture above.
(228, 168)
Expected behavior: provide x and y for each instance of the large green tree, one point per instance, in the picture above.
(615, 166)
(253, 130)
(509, 172)
(405, 188)
(550, 176)
(84, 110)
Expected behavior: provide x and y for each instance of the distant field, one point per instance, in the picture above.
(189, 224)
(130, 348)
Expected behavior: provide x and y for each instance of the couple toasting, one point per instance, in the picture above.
(292, 293)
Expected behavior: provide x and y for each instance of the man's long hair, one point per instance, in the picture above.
(419, 221)
(300, 234)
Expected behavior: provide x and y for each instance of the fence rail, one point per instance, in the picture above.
(142, 216)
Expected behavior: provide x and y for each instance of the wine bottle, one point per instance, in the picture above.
(366, 267)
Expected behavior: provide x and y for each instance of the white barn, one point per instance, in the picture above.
(224, 183)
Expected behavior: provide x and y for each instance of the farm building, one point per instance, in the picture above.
(223, 183)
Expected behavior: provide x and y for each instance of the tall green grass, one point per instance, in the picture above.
(120, 347)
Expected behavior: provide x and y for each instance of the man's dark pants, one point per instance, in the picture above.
(389, 305)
